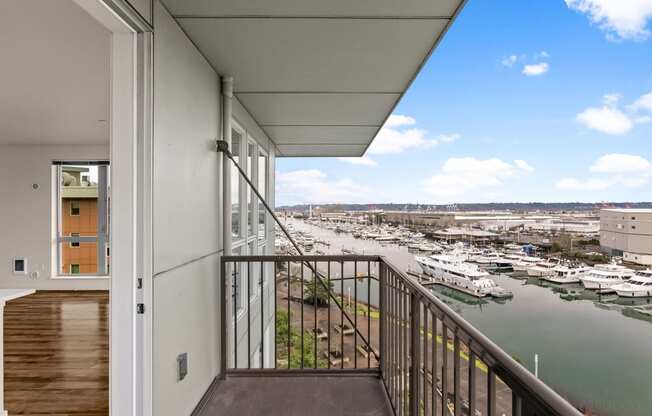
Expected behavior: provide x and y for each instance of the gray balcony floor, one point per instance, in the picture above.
(300, 396)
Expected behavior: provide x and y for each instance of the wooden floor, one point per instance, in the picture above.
(57, 354)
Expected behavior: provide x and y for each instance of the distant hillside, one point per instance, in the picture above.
(506, 206)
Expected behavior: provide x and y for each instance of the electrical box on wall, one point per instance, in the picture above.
(20, 266)
(182, 366)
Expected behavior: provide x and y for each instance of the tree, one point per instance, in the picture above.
(556, 247)
(296, 357)
(318, 291)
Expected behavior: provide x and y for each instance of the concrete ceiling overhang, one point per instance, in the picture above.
(320, 77)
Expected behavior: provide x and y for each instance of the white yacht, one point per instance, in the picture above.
(371, 235)
(566, 274)
(414, 245)
(485, 257)
(605, 276)
(429, 247)
(454, 270)
(525, 262)
(638, 286)
(542, 268)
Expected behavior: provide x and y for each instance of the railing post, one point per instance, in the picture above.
(383, 318)
(415, 358)
(223, 321)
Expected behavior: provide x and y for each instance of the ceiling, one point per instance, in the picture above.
(54, 76)
(320, 77)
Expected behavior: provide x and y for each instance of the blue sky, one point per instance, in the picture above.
(538, 100)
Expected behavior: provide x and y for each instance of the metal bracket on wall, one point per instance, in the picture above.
(222, 146)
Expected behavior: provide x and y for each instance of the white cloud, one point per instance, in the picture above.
(611, 99)
(397, 120)
(615, 169)
(448, 138)
(644, 103)
(572, 184)
(460, 175)
(621, 163)
(391, 140)
(314, 186)
(363, 161)
(536, 69)
(608, 120)
(620, 19)
(509, 61)
(533, 64)
(394, 137)
(523, 165)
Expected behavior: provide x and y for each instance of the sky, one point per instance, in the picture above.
(523, 101)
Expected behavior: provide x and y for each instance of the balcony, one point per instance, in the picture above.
(354, 335)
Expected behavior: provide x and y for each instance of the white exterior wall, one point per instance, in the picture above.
(187, 219)
(26, 214)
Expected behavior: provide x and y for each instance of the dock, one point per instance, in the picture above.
(428, 281)
(497, 293)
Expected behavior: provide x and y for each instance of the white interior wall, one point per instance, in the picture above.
(186, 219)
(26, 222)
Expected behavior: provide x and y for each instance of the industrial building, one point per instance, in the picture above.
(627, 233)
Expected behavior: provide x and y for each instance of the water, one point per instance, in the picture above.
(590, 350)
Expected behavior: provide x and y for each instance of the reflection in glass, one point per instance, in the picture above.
(251, 149)
(236, 141)
(262, 188)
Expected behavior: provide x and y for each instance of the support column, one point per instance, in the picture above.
(227, 105)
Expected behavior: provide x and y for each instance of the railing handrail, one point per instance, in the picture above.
(302, 258)
(504, 365)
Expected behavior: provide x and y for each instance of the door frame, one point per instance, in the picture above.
(130, 332)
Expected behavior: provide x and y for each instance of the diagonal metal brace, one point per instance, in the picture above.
(223, 147)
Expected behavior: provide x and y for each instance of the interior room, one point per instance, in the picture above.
(55, 175)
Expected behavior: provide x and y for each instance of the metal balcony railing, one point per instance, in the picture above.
(336, 315)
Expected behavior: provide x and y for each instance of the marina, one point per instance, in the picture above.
(557, 322)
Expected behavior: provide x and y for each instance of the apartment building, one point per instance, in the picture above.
(628, 233)
(190, 102)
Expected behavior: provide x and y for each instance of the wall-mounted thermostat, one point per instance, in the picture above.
(20, 265)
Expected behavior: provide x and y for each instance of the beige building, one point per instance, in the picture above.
(627, 233)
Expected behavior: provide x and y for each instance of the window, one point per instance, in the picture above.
(74, 243)
(74, 208)
(236, 143)
(82, 218)
(262, 188)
